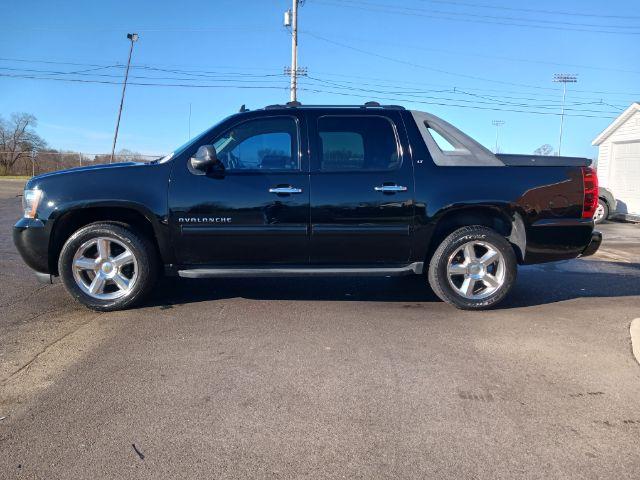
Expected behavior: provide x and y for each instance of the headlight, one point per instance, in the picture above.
(30, 201)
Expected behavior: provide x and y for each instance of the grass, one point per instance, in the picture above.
(15, 177)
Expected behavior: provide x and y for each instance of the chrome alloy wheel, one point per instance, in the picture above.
(104, 268)
(598, 215)
(476, 270)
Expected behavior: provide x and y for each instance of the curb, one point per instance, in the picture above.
(634, 330)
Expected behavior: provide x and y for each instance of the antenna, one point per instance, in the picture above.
(497, 124)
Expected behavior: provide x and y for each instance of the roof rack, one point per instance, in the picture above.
(365, 105)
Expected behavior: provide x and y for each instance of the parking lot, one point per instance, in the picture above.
(335, 378)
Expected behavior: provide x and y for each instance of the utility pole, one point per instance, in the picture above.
(133, 37)
(291, 20)
(563, 78)
(497, 124)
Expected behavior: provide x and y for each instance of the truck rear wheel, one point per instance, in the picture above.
(473, 268)
(107, 267)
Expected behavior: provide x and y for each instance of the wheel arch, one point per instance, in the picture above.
(77, 217)
(510, 226)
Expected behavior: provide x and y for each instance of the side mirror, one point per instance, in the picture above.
(205, 159)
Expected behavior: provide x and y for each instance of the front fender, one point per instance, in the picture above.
(110, 209)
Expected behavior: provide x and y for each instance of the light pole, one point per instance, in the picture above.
(497, 124)
(563, 78)
(133, 37)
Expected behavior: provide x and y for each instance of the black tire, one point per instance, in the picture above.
(605, 206)
(141, 247)
(438, 267)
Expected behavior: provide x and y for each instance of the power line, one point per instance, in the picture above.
(352, 93)
(530, 10)
(494, 109)
(144, 84)
(475, 55)
(393, 83)
(394, 44)
(276, 79)
(449, 90)
(407, 96)
(142, 77)
(490, 101)
(118, 65)
(145, 29)
(504, 21)
(398, 83)
(417, 65)
(412, 10)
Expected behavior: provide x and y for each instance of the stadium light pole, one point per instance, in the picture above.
(133, 37)
(497, 124)
(563, 78)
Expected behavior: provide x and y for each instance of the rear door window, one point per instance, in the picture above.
(356, 143)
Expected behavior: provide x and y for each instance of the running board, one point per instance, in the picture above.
(412, 268)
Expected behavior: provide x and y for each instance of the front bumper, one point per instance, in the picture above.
(31, 238)
(594, 244)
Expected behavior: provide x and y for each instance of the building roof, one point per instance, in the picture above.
(623, 117)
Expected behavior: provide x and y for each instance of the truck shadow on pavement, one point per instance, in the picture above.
(536, 285)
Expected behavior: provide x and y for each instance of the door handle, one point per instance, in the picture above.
(280, 190)
(390, 188)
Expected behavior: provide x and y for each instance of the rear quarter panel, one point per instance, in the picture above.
(548, 200)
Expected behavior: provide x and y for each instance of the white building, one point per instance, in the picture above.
(619, 160)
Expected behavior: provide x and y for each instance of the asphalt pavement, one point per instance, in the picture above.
(324, 378)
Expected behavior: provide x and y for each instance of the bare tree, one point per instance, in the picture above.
(17, 139)
(125, 155)
(544, 150)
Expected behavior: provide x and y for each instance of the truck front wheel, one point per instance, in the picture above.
(473, 268)
(106, 266)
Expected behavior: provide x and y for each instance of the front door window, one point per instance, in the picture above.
(265, 144)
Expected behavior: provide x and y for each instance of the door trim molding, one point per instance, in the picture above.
(319, 230)
(234, 230)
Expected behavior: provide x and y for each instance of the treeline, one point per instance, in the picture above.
(49, 160)
(24, 152)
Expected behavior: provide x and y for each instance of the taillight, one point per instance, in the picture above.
(590, 184)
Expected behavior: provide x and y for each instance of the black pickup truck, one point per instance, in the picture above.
(311, 190)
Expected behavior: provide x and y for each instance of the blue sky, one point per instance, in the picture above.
(467, 61)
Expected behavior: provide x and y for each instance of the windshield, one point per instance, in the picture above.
(187, 144)
(182, 147)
